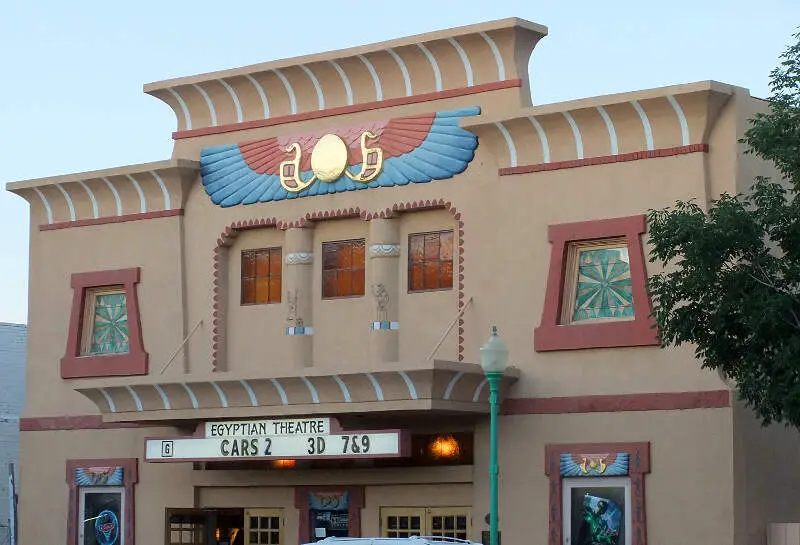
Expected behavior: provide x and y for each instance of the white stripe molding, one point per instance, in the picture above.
(85, 186)
(186, 116)
(376, 386)
(289, 90)
(167, 202)
(512, 149)
(235, 98)
(142, 203)
(375, 79)
(115, 193)
(612, 133)
(464, 60)
(345, 81)
(136, 399)
(437, 74)
(250, 392)
(70, 204)
(317, 86)
(343, 388)
(402, 65)
(498, 58)
(542, 138)
(681, 119)
(46, 204)
(576, 133)
(211, 110)
(261, 94)
(164, 398)
(648, 131)
(281, 391)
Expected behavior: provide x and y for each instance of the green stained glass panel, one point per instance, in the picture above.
(110, 331)
(604, 285)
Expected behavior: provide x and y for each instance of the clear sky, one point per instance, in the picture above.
(71, 95)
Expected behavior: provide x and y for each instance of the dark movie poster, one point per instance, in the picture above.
(102, 516)
(598, 516)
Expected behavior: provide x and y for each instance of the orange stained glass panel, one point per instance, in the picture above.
(343, 268)
(430, 261)
(261, 276)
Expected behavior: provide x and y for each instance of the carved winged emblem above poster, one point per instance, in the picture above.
(398, 151)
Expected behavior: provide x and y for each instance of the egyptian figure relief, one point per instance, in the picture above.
(398, 151)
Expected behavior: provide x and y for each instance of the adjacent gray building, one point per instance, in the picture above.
(12, 398)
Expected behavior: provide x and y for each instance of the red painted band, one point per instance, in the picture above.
(112, 219)
(76, 422)
(662, 401)
(604, 159)
(342, 110)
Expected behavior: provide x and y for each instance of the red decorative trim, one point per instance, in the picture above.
(75, 422)
(130, 476)
(73, 365)
(660, 401)
(355, 501)
(639, 465)
(342, 110)
(232, 231)
(640, 331)
(111, 219)
(604, 159)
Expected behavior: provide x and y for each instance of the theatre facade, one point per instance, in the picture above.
(273, 336)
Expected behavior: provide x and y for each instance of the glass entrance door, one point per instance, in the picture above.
(426, 521)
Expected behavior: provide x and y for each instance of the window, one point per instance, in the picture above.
(596, 295)
(186, 528)
(263, 526)
(597, 510)
(599, 281)
(105, 333)
(453, 522)
(105, 322)
(261, 276)
(430, 261)
(100, 509)
(343, 268)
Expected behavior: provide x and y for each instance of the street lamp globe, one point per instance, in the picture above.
(494, 354)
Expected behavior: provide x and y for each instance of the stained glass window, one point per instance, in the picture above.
(343, 268)
(430, 261)
(261, 276)
(106, 322)
(600, 276)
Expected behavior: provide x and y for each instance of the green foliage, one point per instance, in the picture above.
(732, 283)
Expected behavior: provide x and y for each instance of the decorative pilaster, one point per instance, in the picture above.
(298, 278)
(384, 253)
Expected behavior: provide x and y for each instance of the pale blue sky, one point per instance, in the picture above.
(71, 95)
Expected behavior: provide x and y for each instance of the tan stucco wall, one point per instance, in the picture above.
(767, 482)
(690, 479)
(43, 487)
(154, 246)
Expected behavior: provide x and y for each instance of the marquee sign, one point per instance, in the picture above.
(276, 439)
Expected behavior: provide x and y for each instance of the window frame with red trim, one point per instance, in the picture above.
(553, 333)
(76, 363)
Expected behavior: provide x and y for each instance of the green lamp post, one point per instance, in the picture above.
(494, 359)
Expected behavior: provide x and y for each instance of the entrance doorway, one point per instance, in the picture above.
(224, 527)
(453, 522)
